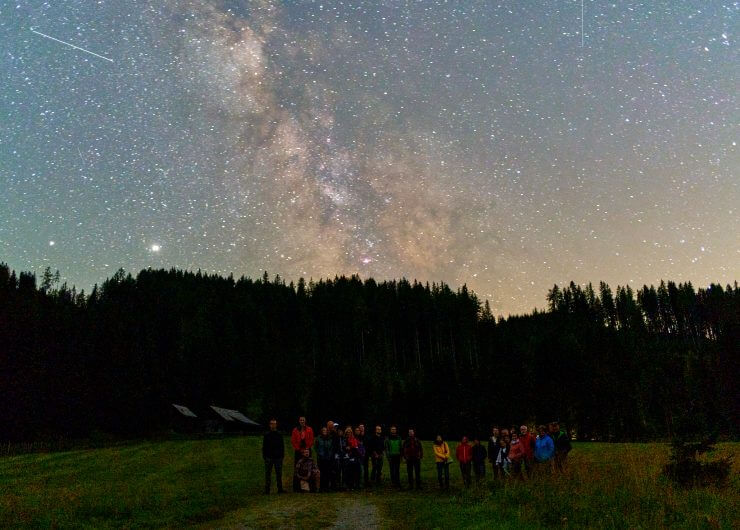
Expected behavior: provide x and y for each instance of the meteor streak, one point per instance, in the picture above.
(71, 45)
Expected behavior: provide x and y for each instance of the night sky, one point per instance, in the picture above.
(487, 143)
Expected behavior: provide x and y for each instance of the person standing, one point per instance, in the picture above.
(413, 453)
(562, 446)
(375, 448)
(273, 452)
(342, 471)
(544, 450)
(335, 471)
(502, 457)
(325, 456)
(464, 455)
(393, 449)
(442, 459)
(516, 456)
(352, 460)
(301, 438)
(479, 460)
(493, 448)
(527, 441)
(362, 438)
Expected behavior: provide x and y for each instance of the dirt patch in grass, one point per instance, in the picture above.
(357, 513)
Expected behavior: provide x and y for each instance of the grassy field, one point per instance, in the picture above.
(218, 484)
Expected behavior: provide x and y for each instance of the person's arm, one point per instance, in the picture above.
(281, 447)
(295, 439)
(421, 450)
(309, 437)
(264, 447)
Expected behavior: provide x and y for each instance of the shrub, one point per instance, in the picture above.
(687, 470)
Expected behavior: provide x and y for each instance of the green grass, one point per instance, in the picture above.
(218, 483)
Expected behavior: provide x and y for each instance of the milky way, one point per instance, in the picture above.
(487, 143)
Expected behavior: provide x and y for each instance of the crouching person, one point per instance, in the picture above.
(307, 474)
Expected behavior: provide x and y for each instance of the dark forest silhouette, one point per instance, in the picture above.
(613, 365)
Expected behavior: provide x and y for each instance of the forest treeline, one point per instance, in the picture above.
(612, 365)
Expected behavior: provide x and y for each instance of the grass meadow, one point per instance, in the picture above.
(218, 483)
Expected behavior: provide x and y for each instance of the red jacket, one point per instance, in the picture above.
(516, 451)
(464, 453)
(527, 443)
(306, 435)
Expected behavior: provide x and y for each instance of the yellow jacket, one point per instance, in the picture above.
(441, 452)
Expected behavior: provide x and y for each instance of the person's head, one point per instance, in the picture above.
(394, 430)
(378, 430)
(502, 442)
(464, 439)
(273, 424)
(302, 421)
(504, 432)
(324, 431)
(495, 431)
(523, 430)
(476, 441)
(305, 452)
(506, 439)
(513, 429)
(357, 431)
(439, 439)
(411, 433)
(514, 437)
(554, 427)
(329, 425)
(348, 432)
(541, 429)
(361, 428)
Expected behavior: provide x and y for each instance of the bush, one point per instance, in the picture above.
(687, 470)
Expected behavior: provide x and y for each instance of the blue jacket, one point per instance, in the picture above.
(544, 448)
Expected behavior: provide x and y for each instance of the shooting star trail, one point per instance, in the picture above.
(71, 45)
(82, 157)
(581, 23)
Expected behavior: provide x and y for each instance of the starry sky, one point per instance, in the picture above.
(492, 143)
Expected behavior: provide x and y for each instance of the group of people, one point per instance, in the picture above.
(348, 458)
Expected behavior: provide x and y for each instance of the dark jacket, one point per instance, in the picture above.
(272, 445)
(562, 442)
(493, 449)
(503, 455)
(336, 445)
(375, 446)
(412, 449)
(479, 454)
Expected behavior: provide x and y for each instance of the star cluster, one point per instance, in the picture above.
(487, 143)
